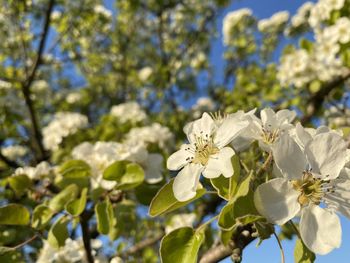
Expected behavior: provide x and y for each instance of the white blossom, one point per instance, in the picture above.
(273, 23)
(267, 129)
(145, 73)
(100, 9)
(73, 97)
(203, 104)
(205, 153)
(153, 134)
(62, 125)
(35, 173)
(231, 20)
(311, 176)
(13, 152)
(129, 111)
(302, 14)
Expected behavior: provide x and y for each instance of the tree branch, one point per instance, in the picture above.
(240, 240)
(316, 101)
(84, 222)
(29, 81)
(141, 245)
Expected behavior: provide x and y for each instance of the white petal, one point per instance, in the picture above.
(320, 229)
(220, 163)
(154, 168)
(277, 201)
(203, 127)
(268, 118)
(180, 158)
(285, 116)
(228, 130)
(302, 135)
(186, 182)
(289, 157)
(327, 154)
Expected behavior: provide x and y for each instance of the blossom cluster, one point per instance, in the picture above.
(310, 175)
(129, 111)
(102, 154)
(13, 152)
(72, 251)
(273, 23)
(231, 20)
(62, 125)
(152, 134)
(35, 173)
(322, 59)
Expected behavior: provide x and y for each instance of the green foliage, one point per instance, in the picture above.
(181, 245)
(127, 175)
(241, 209)
(226, 187)
(164, 201)
(58, 232)
(58, 202)
(20, 183)
(74, 172)
(105, 217)
(76, 207)
(14, 214)
(41, 216)
(302, 254)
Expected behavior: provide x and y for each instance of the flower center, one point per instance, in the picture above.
(204, 148)
(269, 136)
(311, 189)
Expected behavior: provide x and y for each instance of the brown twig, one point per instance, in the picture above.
(316, 101)
(141, 245)
(240, 240)
(26, 85)
(84, 222)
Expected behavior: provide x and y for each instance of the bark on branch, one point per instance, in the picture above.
(316, 101)
(26, 85)
(240, 240)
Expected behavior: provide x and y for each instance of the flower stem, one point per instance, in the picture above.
(281, 248)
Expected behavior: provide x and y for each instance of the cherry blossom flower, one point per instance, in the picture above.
(312, 176)
(205, 153)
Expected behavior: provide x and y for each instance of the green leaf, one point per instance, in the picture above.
(241, 208)
(58, 202)
(226, 235)
(127, 175)
(264, 230)
(226, 187)
(41, 216)
(74, 172)
(19, 183)
(105, 217)
(181, 245)
(14, 214)
(302, 254)
(306, 44)
(4, 250)
(125, 213)
(165, 201)
(58, 233)
(76, 207)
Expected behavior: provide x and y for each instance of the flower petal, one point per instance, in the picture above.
(289, 157)
(220, 163)
(327, 154)
(277, 201)
(154, 168)
(228, 130)
(186, 182)
(320, 229)
(180, 158)
(268, 118)
(285, 116)
(302, 136)
(203, 127)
